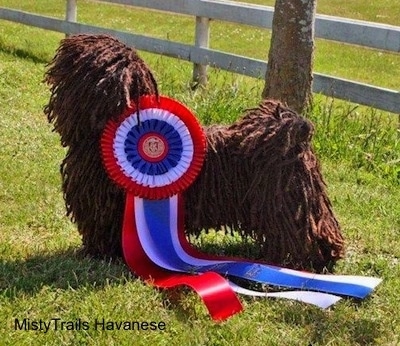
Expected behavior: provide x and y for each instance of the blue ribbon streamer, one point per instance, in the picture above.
(157, 216)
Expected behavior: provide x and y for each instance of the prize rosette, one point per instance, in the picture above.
(154, 150)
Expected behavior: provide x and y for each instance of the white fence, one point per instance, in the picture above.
(379, 36)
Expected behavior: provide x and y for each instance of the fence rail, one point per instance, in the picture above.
(384, 37)
(380, 36)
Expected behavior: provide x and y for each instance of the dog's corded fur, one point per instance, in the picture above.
(93, 79)
(260, 176)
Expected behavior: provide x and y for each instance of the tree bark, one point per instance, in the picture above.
(290, 61)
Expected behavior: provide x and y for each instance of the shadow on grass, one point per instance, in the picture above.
(65, 269)
(23, 54)
(244, 248)
(68, 269)
(326, 327)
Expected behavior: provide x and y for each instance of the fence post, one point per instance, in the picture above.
(202, 36)
(72, 10)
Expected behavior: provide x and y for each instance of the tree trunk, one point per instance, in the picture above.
(290, 60)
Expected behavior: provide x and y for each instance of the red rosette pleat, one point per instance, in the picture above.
(158, 119)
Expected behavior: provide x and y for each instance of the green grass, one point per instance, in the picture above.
(335, 59)
(42, 275)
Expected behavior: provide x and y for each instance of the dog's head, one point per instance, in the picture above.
(93, 78)
(273, 130)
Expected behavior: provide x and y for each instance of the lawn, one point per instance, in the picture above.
(42, 275)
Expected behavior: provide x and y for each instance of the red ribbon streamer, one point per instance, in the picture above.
(213, 289)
